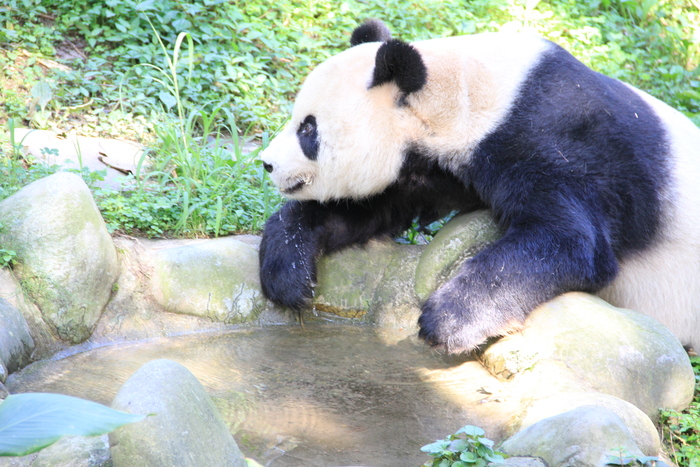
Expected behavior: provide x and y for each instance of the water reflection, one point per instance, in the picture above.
(323, 396)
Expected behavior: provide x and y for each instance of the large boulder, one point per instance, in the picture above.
(605, 349)
(582, 437)
(641, 429)
(66, 260)
(348, 279)
(185, 428)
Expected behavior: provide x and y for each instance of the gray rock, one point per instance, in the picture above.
(16, 343)
(70, 451)
(522, 462)
(66, 259)
(347, 280)
(185, 430)
(217, 279)
(641, 429)
(75, 451)
(395, 305)
(609, 350)
(45, 343)
(460, 239)
(583, 437)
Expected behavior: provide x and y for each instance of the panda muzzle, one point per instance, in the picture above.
(296, 187)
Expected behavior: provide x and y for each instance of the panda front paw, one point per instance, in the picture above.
(287, 263)
(284, 284)
(458, 318)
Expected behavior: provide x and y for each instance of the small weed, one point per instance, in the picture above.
(466, 448)
(680, 431)
(622, 457)
(419, 234)
(7, 257)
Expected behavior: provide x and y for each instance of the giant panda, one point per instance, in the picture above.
(594, 184)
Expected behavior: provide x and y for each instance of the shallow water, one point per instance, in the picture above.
(327, 395)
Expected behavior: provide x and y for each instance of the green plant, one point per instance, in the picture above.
(681, 430)
(201, 182)
(32, 421)
(466, 448)
(7, 257)
(622, 457)
(243, 62)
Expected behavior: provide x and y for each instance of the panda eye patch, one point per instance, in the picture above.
(307, 134)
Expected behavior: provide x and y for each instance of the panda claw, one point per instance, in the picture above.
(459, 323)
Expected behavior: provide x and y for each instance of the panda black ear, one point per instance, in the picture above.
(372, 30)
(401, 63)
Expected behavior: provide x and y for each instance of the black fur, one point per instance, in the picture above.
(401, 63)
(573, 176)
(300, 232)
(307, 134)
(372, 30)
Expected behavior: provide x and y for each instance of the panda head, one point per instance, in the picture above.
(351, 122)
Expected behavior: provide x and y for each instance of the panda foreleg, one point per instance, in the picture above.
(495, 291)
(288, 252)
(301, 231)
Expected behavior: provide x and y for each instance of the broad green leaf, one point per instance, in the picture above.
(471, 430)
(32, 421)
(167, 99)
(495, 458)
(43, 93)
(458, 445)
(436, 447)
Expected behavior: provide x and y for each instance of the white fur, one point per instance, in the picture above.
(664, 282)
(363, 133)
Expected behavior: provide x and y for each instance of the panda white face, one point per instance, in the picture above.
(345, 139)
(358, 112)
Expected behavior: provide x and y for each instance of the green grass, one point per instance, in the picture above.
(127, 69)
(252, 55)
(680, 431)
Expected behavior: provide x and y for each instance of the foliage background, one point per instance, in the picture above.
(101, 68)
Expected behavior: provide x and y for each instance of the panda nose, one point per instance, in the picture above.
(267, 167)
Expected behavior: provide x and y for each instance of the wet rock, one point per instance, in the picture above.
(217, 279)
(607, 349)
(460, 239)
(582, 437)
(70, 451)
(185, 430)
(347, 280)
(66, 259)
(16, 343)
(395, 305)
